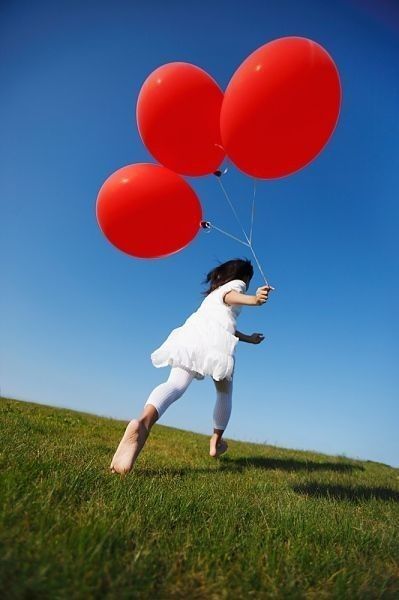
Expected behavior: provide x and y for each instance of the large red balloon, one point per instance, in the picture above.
(178, 116)
(148, 211)
(280, 107)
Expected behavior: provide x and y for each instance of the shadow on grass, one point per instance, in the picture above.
(290, 464)
(259, 462)
(341, 492)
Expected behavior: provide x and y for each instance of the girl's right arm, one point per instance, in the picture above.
(260, 297)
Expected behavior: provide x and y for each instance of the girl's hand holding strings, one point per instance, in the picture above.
(262, 294)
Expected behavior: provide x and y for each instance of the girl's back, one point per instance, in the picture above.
(214, 308)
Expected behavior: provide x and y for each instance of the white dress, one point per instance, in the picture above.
(205, 343)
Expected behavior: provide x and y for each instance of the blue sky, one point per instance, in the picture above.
(79, 319)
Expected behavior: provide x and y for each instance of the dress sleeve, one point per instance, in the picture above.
(237, 285)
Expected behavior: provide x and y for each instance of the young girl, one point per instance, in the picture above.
(203, 345)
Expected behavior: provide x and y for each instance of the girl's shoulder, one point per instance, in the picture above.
(239, 283)
(235, 284)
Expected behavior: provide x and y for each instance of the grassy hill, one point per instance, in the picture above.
(262, 522)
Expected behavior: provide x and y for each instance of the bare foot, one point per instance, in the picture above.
(129, 447)
(216, 449)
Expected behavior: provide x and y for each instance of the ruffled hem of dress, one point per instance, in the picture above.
(163, 357)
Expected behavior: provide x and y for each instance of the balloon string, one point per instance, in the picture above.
(253, 210)
(226, 233)
(232, 208)
(258, 263)
(249, 242)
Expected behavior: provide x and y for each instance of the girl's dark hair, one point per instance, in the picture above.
(237, 268)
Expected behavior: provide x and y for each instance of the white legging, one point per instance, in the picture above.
(178, 381)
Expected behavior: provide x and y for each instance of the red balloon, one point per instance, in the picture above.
(280, 107)
(148, 211)
(178, 116)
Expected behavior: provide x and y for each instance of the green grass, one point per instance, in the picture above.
(262, 522)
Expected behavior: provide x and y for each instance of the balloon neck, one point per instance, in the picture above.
(205, 224)
(218, 173)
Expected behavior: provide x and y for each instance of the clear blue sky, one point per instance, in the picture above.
(79, 319)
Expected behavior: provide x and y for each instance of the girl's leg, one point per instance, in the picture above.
(221, 415)
(170, 391)
(138, 430)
